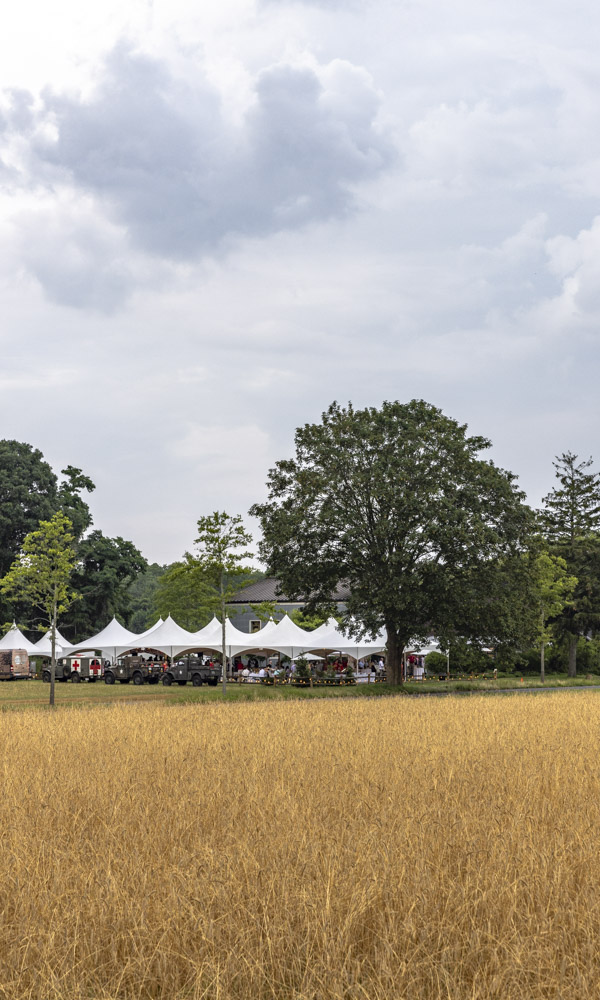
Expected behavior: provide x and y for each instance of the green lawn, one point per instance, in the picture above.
(502, 683)
(35, 694)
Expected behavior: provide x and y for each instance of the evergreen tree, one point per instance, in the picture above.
(572, 510)
(571, 520)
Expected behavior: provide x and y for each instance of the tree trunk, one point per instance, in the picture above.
(395, 650)
(573, 655)
(224, 651)
(53, 660)
(542, 665)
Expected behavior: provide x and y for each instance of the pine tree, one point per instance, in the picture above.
(571, 520)
(573, 509)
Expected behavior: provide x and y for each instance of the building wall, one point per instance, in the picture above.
(245, 616)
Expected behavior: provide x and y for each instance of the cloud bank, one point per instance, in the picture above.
(159, 163)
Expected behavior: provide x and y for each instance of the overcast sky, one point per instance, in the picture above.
(219, 217)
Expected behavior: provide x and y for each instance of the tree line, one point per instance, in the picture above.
(104, 568)
(398, 502)
(431, 537)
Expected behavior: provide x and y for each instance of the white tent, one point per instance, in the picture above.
(150, 630)
(336, 641)
(236, 642)
(59, 638)
(207, 634)
(168, 638)
(324, 629)
(285, 637)
(14, 639)
(108, 640)
(44, 645)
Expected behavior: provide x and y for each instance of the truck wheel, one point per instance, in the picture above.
(75, 677)
(138, 679)
(167, 681)
(197, 681)
(109, 678)
(213, 682)
(46, 676)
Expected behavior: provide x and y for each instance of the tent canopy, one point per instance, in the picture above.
(44, 645)
(14, 639)
(165, 637)
(110, 638)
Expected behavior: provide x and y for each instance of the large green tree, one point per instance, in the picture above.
(28, 495)
(188, 592)
(104, 570)
(41, 576)
(570, 517)
(71, 501)
(142, 592)
(553, 589)
(398, 503)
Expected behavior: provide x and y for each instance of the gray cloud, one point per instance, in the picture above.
(325, 4)
(75, 257)
(167, 165)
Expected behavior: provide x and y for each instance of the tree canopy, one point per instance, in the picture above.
(188, 592)
(220, 538)
(28, 495)
(141, 593)
(104, 569)
(570, 516)
(41, 575)
(397, 503)
(72, 503)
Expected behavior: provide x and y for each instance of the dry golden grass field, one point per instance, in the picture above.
(439, 848)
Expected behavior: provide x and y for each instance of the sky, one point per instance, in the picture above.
(215, 219)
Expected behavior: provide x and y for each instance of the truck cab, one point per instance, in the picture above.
(191, 668)
(133, 668)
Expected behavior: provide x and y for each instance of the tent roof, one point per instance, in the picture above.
(165, 636)
(112, 636)
(172, 639)
(208, 633)
(324, 629)
(284, 637)
(286, 632)
(14, 639)
(336, 640)
(60, 639)
(44, 645)
(150, 630)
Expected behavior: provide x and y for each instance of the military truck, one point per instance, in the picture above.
(80, 668)
(133, 668)
(191, 668)
(15, 665)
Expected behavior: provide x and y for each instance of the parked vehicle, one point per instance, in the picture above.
(191, 668)
(15, 665)
(133, 668)
(80, 668)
